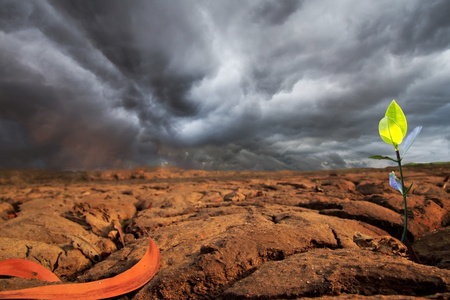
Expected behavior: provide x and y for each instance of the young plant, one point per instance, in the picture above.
(392, 130)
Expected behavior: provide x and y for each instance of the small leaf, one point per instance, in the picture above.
(379, 157)
(390, 131)
(395, 113)
(383, 129)
(407, 191)
(393, 126)
(395, 182)
(410, 139)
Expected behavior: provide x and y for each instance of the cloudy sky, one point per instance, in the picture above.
(231, 85)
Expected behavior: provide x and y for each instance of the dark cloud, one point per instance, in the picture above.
(158, 45)
(219, 85)
(424, 29)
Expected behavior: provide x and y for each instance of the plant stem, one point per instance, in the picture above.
(405, 225)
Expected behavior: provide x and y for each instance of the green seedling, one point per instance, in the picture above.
(44, 262)
(392, 130)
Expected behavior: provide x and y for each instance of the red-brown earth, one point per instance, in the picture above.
(234, 235)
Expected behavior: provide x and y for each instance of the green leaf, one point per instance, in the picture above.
(379, 157)
(393, 126)
(395, 113)
(408, 189)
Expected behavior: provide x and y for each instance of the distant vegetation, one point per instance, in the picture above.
(412, 164)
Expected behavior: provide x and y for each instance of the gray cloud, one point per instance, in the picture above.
(219, 85)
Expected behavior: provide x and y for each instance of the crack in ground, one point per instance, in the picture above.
(338, 240)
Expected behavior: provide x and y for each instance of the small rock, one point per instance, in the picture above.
(6, 208)
(128, 238)
(383, 244)
(113, 234)
(234, 197)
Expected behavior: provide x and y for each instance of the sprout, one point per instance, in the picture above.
(392, 129)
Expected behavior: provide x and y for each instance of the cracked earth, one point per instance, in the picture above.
(234, 235)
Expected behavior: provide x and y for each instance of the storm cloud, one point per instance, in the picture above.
(227, 85)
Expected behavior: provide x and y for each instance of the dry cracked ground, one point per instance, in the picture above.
(234, 235)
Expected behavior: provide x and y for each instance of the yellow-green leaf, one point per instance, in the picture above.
(393, 126)
(395, 113)
(390, 132)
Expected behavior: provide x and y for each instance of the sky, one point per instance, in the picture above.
(220, 85)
